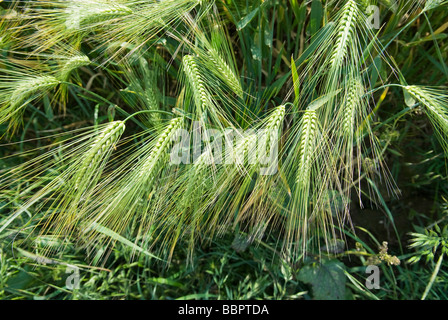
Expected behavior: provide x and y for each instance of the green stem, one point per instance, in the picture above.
(110, 103)
(147, 111)
(398, 33)
(368, 93)
(433, 277)
(88, 91)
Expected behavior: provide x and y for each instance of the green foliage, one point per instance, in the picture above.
(327, 279)
(428, 242)
(93, 93)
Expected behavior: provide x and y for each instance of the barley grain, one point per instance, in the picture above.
(196, 83)
(85, 12)
(72, 64)
(226, 72)
(99, 149)
(427, 100)
(308, 135)
(347, 27)
(352, 101)
(25, 89)
(157, 158)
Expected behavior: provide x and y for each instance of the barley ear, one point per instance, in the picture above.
(27, 88)
(307, 146)
(101, 146)
(435, 103)
(24, 91)
(346, 29)
(200, 94)
(297, 228)
(72, 64)
(274, 123)
(81, 179)
(226, 72)
(82, 14)
(351, 106)
(158, 156)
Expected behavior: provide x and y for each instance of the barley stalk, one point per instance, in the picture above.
(200, 168)
(150, 96)
(245, 152)
(255, 209)
(247, 145)
(135, 189)
(276, 118)
(191, 215)
(298, 219)
(78, 190)
(151, 100)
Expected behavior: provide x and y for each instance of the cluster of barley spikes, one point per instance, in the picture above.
(127, 75)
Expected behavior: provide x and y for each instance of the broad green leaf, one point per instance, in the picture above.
(117, 237)
(319, 102)
(165, 281)
(408, 99)
(244, 21)
(428, 38)
(22, 280)
(316, 17)
(375, 69)
(47, 107)
(318, 40)
(326, 279)
(295, 79)
(295, 8)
